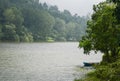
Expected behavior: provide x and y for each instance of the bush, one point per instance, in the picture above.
(108, 72)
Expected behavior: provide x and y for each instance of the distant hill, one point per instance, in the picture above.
(29, 20)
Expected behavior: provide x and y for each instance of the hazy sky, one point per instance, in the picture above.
(81, 7)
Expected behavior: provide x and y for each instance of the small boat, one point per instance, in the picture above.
(87, 64)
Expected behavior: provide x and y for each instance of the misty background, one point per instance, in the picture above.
(81, 7)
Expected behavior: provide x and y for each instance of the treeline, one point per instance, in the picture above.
(29, 20)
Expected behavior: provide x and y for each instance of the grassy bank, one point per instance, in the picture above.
(104, 72)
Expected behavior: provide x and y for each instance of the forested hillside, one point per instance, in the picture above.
(29, 20)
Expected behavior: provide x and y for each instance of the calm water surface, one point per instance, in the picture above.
(42, 61)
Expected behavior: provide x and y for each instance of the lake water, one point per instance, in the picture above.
(42, 61)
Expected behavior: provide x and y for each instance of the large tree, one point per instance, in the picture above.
(102, 32)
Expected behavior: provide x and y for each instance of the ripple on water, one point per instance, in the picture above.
(41, 61)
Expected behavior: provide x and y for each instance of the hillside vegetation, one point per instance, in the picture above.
(103, 34)
(29, 20)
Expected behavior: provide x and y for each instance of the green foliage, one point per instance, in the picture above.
(9, 33)
(49, 39)
(102, 31)
(86, 44)
(1, 33)
(29, 20)
(24, 34)
(117, 10)
(90, 77)
(13, 15)
(107, 72)
(103, 35)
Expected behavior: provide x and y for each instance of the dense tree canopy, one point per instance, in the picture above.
(103, 34)
(103, 31)
(29, 20)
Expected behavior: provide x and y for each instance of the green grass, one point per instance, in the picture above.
(108, 72)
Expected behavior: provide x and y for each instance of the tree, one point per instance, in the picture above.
(59, 29)
(13, 15)
(45, 6)
(70, 33)
(1, 33)
(102, 32)
(117, 9)
(53, 10)
(79, 32)
(39, 22)
(9, 33)
(30, 20)
(67, 16)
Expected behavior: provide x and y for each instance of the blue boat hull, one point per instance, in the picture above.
(87, 64)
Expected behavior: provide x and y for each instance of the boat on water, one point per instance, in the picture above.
(88, 64)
